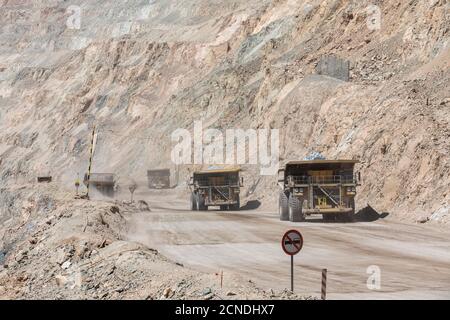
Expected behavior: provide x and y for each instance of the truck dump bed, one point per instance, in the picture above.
(100, 179)
(102, 182)
(321, 172)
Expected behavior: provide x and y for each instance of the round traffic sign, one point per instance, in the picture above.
(292, 242)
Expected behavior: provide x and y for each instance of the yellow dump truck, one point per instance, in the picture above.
(102, 182)
(326, 187)
(158, 179)
(216, 187)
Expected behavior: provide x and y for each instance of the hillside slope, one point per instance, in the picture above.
(141, 69)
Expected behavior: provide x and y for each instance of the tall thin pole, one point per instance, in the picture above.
(292, 273)
(324, 284)
(91, 155)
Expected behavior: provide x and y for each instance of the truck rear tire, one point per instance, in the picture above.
(351, 214)
(349, 217)
(193, 202)
(295, 209)
(236, 206)
(346, 217)
(283, 209)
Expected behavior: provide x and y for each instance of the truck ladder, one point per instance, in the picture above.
(328, 195)
(224, 196)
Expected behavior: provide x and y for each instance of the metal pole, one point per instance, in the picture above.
(324, 284)
(292, 273)
(91, 154)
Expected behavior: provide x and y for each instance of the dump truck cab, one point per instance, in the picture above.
(158, 179)
(102, 182)
(326, 187)
(216, 187)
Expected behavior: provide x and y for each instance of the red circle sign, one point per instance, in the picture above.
(292, 242)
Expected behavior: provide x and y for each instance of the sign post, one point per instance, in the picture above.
(292, 273)
(292, 243)
(324, 284)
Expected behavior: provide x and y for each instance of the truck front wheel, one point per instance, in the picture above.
(283, 209)
(201, 203)
(348, 216)
(351, 214)
(236, 206)
(295, 209)
(193, 202)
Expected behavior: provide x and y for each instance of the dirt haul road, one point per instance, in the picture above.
(413, 260)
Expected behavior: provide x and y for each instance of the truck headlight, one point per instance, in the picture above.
(351, 190)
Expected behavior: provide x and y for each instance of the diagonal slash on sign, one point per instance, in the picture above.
(294, 243)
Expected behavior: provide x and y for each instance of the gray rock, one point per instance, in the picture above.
(21, 255)
(209, 296)
(206, 291)
(423, 220)
(66, 265)
(143, 206)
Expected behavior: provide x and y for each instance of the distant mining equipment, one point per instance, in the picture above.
(102, 182)
(47, 179)
(158, 179)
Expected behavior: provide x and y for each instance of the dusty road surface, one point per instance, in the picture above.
(414, 260)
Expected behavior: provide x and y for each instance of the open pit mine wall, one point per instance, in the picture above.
(138, 70)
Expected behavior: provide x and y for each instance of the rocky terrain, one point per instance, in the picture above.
(140, 69)
(61, 248)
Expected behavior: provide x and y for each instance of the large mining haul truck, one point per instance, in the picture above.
(326, 187)
(158, 179)
(217, 187)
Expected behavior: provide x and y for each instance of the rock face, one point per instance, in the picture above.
(138, 70)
